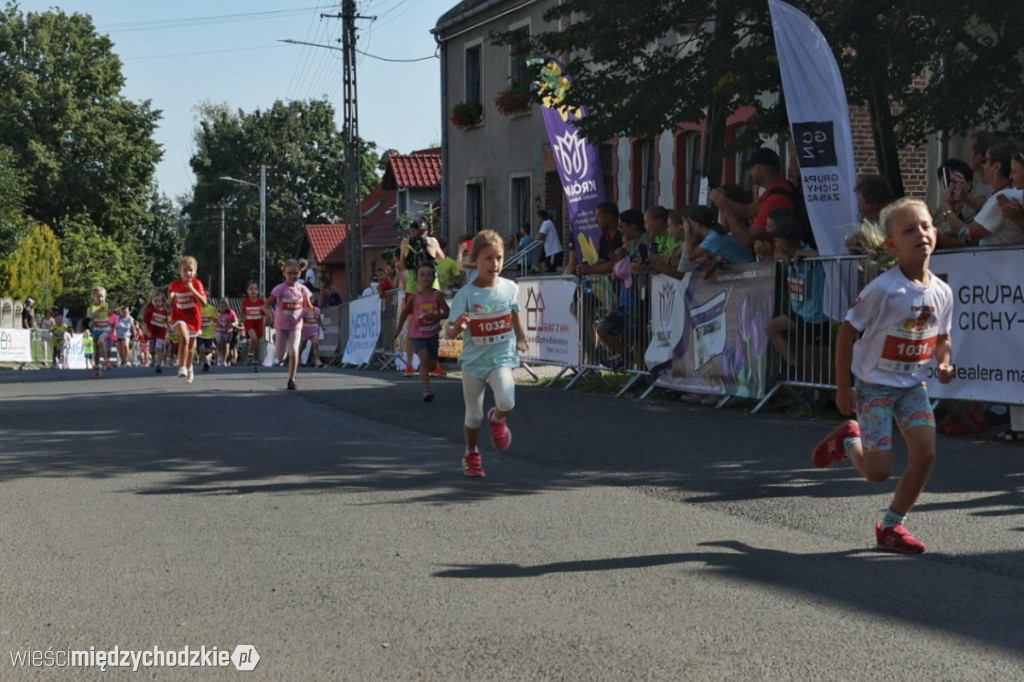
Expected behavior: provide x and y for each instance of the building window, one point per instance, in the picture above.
(688, 168)
(643, 185)
(474, 71)
(474, 207)
(519, 202)
(517, 52)
(403, 201)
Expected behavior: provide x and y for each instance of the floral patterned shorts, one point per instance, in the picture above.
(878, 405)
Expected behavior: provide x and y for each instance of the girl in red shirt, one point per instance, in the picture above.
(187, 296)
(252, 320)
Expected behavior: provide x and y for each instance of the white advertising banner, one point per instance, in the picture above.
(548, 315)
(363, 330)
(988, 326)
(15, 345)
(73, 352)
(819, 116)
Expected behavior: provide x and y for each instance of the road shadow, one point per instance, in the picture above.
(914, 590)
(220, 441)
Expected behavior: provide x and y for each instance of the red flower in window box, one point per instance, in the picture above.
(466, 114)
(515, 99)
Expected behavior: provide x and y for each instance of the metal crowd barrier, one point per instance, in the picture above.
(386, 353)
(600, 299)
(814, 365)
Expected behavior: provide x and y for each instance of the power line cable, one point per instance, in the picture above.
(190, 22)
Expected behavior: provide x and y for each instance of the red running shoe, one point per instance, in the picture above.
(408, 371)
(472, 465)
(830, 450)
(500, 435)
(897, 539)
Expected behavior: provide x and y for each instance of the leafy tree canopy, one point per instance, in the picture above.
(86, 150)
(305, 158)
(34, 267)
(644, 66)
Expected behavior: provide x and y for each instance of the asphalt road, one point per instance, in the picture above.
(331, 529)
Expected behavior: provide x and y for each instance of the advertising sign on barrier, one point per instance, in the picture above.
(15, 345)
(363, 330)
(708, 336)
(73, 353)
(988, 325)
(552, 330)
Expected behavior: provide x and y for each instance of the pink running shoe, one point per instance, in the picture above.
(472, 465)
(897, 539)
(830, 450)
(500, 435)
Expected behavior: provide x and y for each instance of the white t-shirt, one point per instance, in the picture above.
(899, 322)
(1001, 230)
(552, 242)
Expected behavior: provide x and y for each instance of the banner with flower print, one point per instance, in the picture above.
(708, 335)
(578, 161)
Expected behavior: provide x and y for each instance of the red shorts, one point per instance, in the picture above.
(256, 325)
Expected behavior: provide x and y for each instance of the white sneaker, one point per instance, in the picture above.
(191, 374)
(182, 373)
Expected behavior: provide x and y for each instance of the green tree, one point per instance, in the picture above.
(644, 66)
(14, 226)
(86, 150)
(305, 158)
(110, 264)
(34, 267)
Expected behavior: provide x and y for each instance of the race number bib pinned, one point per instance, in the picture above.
(488, 328)
(908, 350)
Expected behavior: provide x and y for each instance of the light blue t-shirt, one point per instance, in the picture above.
(727, 247)
(490, 341)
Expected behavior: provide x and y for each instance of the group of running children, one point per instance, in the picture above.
(183, 326)
(897, 328)
(903, 320)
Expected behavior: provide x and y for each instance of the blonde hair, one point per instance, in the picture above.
(885, 218)
(188, 260)
(99, 290)
(482, 240)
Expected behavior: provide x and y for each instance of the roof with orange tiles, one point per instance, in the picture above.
(378, 223)
(419, 169)
(328, 242)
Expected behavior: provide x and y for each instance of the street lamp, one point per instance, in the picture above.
(263, 222)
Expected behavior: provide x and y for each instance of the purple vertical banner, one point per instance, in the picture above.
(578, 161)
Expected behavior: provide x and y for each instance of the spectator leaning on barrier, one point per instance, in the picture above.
(656, 224)
(673, 263)
(1014, 210)
(709, 244)
(874, 192)
(955, 182)
(778, 193)
(620, 324)
(977, 150)
(607, 216)
(989, 227)
(806, 322)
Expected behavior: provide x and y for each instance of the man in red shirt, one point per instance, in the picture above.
(777, 193)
